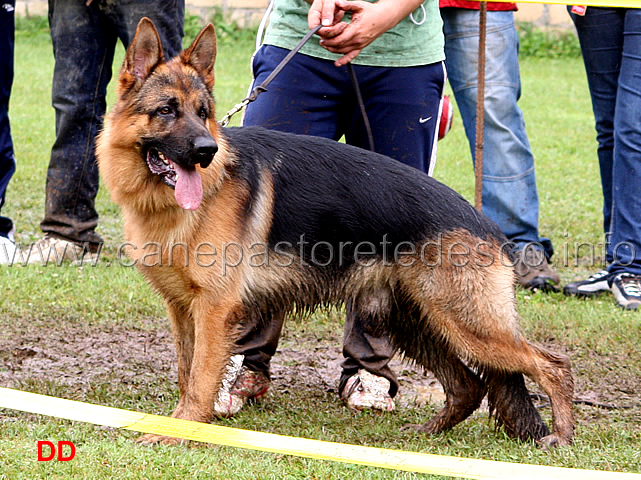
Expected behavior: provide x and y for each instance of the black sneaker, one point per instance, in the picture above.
(594, 285)
(626, 288)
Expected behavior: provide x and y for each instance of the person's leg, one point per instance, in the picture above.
(167, 16)
(83, 49)
(7, 160)
(258, 342)
(600, 33)
(402, 106)
(302, 99)
(364, 349)
(510, 195)
(626, 170)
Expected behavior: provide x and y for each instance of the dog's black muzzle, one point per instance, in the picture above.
(204, 148)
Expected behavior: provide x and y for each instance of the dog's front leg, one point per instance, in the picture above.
(210, 355)
(200, 374)
(182, 325)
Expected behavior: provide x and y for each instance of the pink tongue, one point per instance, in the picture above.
(189, 187)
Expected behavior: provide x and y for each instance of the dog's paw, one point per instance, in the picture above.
(554, 440)
(151, 439)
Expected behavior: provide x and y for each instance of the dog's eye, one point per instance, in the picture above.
(166, 110)
(203, 114)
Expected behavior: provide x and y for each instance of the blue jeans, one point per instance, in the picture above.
(510, 196)
(610, 41)
(7, 160)
(84, 40)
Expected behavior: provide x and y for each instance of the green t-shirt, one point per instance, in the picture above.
(407, 44)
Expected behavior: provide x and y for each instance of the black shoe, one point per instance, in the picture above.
(594, 285)
(626, 288)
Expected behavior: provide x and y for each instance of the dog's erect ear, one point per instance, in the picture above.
(202, 54)
(144, 53)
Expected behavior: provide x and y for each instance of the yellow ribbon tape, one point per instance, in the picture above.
(301, 447)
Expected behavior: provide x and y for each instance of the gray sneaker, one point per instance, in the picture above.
(53, 249)
(626, 288)
(533, 270)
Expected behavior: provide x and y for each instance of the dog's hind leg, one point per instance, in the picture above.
(495, 345)
(464, 389)
(473, 310)
(502, 348)
(510, 403)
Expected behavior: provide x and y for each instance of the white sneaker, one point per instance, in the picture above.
(7, 251)
(240, 385)
(626, 288)
(366, 390)
(56, 250)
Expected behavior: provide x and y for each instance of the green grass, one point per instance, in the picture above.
(47, 303)
(536, 42)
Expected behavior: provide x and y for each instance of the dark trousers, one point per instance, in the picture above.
(7, 160)
(610, 41)
(84, 40)
(311, 96)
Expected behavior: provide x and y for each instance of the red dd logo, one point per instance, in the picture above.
(47, 451)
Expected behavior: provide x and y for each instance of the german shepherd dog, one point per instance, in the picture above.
(335, 223)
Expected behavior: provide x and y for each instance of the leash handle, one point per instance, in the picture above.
(263, 86)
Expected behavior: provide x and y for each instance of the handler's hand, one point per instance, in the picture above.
(369, 21)
(324, 12)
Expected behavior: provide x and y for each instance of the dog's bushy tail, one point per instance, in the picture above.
(511, 406)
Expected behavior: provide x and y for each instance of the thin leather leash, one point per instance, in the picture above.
(361, 106)
(263, 86)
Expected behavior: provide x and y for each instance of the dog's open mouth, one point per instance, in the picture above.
(159, 164)
(185, 180)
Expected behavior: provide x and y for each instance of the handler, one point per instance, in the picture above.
(396, 48)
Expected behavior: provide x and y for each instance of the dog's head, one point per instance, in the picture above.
(165, 111)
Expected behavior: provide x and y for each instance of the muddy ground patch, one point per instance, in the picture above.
(80, 356)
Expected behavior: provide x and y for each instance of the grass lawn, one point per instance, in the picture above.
(88, 333)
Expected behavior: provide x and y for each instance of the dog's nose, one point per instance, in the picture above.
(204, 150)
